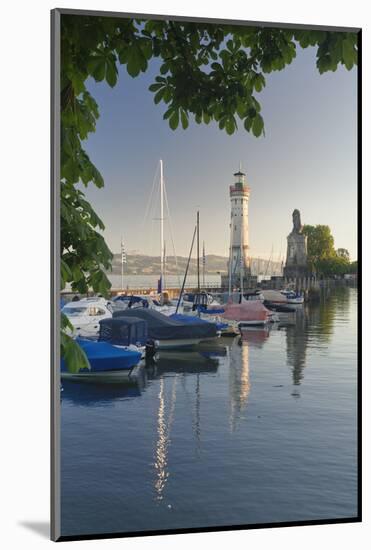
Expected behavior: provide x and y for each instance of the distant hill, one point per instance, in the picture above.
(140, 264)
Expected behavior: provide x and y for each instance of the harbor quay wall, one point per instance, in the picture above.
(310, 286)
(171, 292)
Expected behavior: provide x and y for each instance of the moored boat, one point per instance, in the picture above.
(107, 362)
(293, 297)
(127, 333)
(193, 319)
(247, 313)
(85, 314)
(170, 333)
(123, 301)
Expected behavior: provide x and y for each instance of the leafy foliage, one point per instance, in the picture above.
(322, 256)
(353, 268)
(208, 72)
(343, 253)
(71, 352)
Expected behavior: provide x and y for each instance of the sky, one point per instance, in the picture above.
(307, 160)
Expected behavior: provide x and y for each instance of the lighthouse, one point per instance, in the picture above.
(239, 265)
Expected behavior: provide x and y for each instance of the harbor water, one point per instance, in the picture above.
(261, 429)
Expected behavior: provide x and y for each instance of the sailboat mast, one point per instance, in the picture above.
(203, 264)
(162, 221)
(241, 268)
(186, 271)
(164, 275)
(122, 263)
(198, 251)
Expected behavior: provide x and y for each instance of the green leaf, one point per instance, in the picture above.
(230, 125)
(164, 68)
(135, 59)
(73, 354)
(348, 54)
(206, 117)
(174, 120)
(155, 87)
(257, 125)
(168, 113)
(259, 82)
(97, 67)
(241, 109)
(247, 124)
(111, 73)
(184, 118)
(159, 95)
(66, 274)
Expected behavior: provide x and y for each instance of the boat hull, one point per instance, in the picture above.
(255, 323)
(178, 343)
(109, 377)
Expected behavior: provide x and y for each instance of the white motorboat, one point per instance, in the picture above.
(85, 314)
(146, 301)
(293, 297)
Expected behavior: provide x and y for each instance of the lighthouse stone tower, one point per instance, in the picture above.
(239, 245)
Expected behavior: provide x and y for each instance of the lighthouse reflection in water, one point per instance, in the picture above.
(257, 429)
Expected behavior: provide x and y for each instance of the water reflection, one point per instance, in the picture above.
(314, 328)
(89, 394)
(183, 365)
(255, 336)
(163, 437)
(197, 421)
(239, 380)
(296, 347)
(187, 362)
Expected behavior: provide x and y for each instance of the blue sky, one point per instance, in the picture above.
(306, 160)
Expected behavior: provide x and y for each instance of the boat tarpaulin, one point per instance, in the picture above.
(161, 327)
(194, 319)
(105, 357)
(123, 331)
(247, 310)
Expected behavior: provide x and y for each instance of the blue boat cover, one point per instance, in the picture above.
(105, 357)
(192, 319)
(161, 327)
(124, 331)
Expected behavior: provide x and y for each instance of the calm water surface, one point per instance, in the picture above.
(242, 432)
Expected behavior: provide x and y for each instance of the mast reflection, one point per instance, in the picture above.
(185, 367)
(163, 438)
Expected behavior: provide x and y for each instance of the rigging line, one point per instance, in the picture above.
(154, 207)
(151, 196)
(269, 261)
(279, 258)
(171, 232)
(186, 271)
